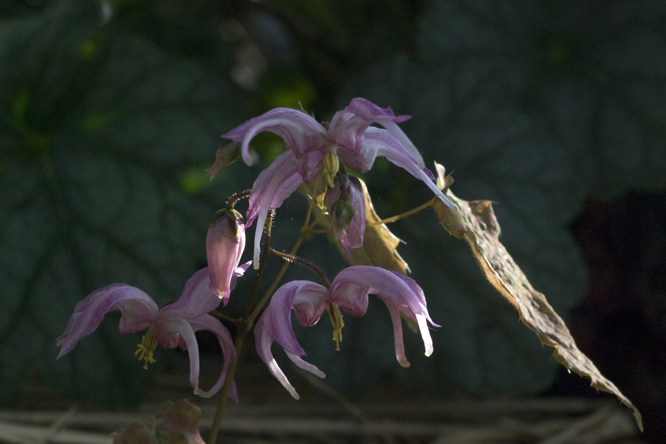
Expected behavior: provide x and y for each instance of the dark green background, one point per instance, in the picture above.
(110, 111)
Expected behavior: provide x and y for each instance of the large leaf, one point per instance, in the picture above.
(98, 132)
(595, 70)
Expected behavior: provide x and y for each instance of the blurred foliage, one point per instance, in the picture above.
(108, 110)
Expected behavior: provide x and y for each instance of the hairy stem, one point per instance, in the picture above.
(251, 313)
(300, 261)
(236, 197)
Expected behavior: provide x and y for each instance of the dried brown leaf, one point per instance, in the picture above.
(379, 244)
(176, 423)
(477, 224)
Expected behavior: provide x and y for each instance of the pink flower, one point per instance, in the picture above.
(346, 208)
(225, 243)
(349, 291)
(315, 148)
(171, 326)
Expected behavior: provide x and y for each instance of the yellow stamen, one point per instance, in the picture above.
(335, 315)
(146, 349)
(331, 167)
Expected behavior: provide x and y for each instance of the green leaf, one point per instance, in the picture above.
(98, 129)
(594, 71)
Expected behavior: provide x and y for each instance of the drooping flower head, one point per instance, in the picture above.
(349, 291)
(315, 148)
(171, 326)
(225, 243)
(346, 208)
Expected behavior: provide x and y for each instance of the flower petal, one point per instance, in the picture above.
(300, 131)
(209, 323)
(309, 300)
(383, 144)
(385, 117)
(348, 125)
(196, 299)
(138, 311)
(270, 189)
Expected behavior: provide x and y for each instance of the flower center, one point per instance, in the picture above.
(335, 315)
(146, 348)
(331, 167)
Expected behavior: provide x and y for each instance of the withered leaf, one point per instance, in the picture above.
(176, 423)
(476, 223)
(379, 244)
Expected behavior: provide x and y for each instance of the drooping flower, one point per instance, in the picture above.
(171, 326)
(225, 243)
(349, 291)
(346, 208)
(315, 148)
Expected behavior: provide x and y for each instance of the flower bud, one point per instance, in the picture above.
(226, 155)
(225, 243)
(341, 214)
(346, 208)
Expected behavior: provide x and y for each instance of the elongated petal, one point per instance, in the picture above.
(209, 323)
(352, 285)
(171, 331)
(397, 334)
(384, 145)
(309, 300)
(385, 117)
(272, 187)
(138, 311)
(300, 131)
(348, 125)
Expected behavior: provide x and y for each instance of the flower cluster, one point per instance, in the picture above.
(314, 150)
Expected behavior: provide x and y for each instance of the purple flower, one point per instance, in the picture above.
(315, 148)
(172, 326)
(346, 208)
(349, 292)
(225, 243)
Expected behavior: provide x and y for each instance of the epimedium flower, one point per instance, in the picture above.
(346, 208)
(171, 326)
(316, 148)
(349, 291)
(225, 243)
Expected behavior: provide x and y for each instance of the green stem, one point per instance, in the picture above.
(245, 324)
(405, 214)
(307, 264)
(236, 197)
